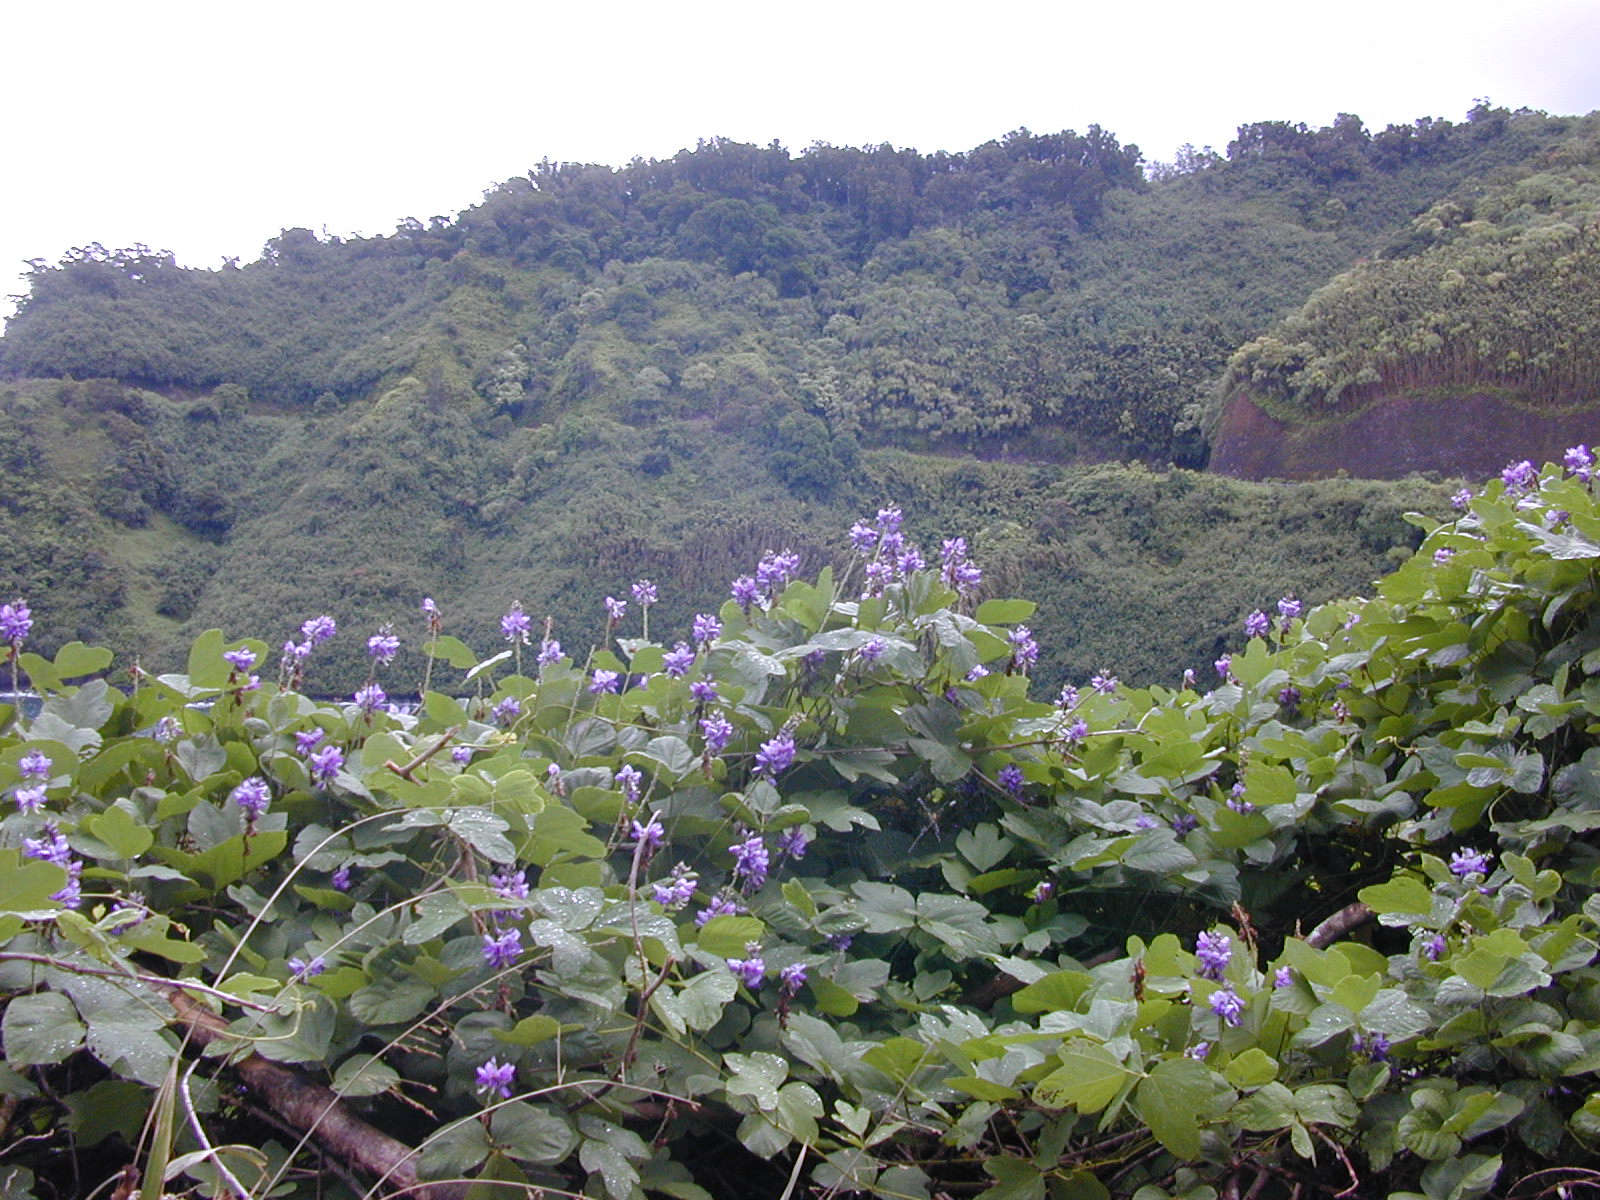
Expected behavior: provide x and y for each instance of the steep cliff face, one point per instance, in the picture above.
(1471, 434)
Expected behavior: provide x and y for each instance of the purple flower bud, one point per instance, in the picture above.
(889, 518)
(1283, 977)
(793, 842)
(383, 646)
(716, 730)
(325, 763)
(1519, 477)
(1105, 683)
(1198, 1051)
(650, 837)
(1024, 650)
(748, 971)
(1289, 608)
(1469, 862)
(1433, 946)
(678, 889)
(1214, 951)
(720, 906)
(792, 978)
(863, 537)
(167, 730)
(627, 778)
(871, 650)
(16, 621)
(706, 628)
(302, 968)
(50, 846)
(615, 609)
(775, 755)
(750, 862)
(677, 661)
(1443, 555)
(746, 593)
(1257, 624)
(507, 711)
(1011, 779)
(501, 952)
(370, 697)
(549, 652)
(1225, 1002)
(1461, 499)
(340, 879)
(252, 796)
(516, 625)
(605, 681)
(644, 593)
(30, 799)
(35, 765)
(1579, 461)
(509, 884)
(705, 691)
(1224, 665)
(306, 741)
(318, 630)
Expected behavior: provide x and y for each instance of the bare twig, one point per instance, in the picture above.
(1340, 923)
(405, 771)
(161, 981)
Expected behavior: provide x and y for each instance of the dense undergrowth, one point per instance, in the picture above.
(810, 894)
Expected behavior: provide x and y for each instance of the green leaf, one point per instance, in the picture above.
(453, 650)
(1170, 1100)
(364, 1075)
(454, 1150)
(1404, 895)
(1004, 612)
(727, 936)
(207, 667)
(1015, 1178)
(1251, 1069)
(391, 1001)
(532, 1134)
(40, 1029)
(530, 1031)
(124, 836)
(75, 660)
(1088, 1079)
(1268, 1108)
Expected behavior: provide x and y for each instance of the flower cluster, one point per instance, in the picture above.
(252, 796)
(1580, 461)
(16, 621)
(751, 969)
(775, 755)
(677, 889)
(649, 836)
(956, 569)
(1215, 951)
(516, 626)
(1520, 478)
(751, 861)
(51, 846)
(383, 646)
(1024, 650)
(1469, 862)
(496, 1078)
(502, 951)
(313, 633)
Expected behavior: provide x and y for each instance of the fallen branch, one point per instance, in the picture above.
(304, 1105)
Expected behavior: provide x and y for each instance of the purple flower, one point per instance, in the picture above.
(704, 691)
(1189, 678)
(370, 697)
(35, 765)
(792, 978)
(749, 971)
(956, 570)
(863, 537)
(71, 895)
(167, 730)
(16, 620)
(306, 741)
(627, 779)
(1289, 608)
(720, 906)
(29, 799)
(507, 711)
(706, 628)
(1579, 461)
(252, 796)
(979, 671)
(50, 846)
(775, 570)
(501, 952)
(1198, 1051)
(1042, 891)
(775, 755)
(605, 681)
(910, 560)
(318, 630)
(1433, 947)
(1224, 665)
(304, 969)
(650, 837)
(1443, 555)
(1068, 699)
(877, 574)
(1024, 650)
(1469, 862)
(746, 593)
(1077, 731)
(889, 518)
(793, 842)
(1461, 500)
(615, 609)
(1519, 477)
(509, 885)
(750, 862)
(1375, 1046)
(1341, 711)
(1257, 624)
(461, 755)
(1289, 696)
(516, 625)
(430, 609)
(1105, 683)
(1010, 778)
(340, 879)
(1185, 823)
(872, 650)
(242, 659)
(677, 661)
(1283, 977)
(497, 1078)
(678, 889)
(1215, 951)
(1236, 800)
(549, 652)
(325, 763)
(1225, 1002)
(383, 646)
(644, 593)
(717, 730)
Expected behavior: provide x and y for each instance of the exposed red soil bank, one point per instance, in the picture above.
(1473, 435)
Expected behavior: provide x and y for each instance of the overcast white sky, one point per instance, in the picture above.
(206, 128)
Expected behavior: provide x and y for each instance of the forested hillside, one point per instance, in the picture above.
(596, 375)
